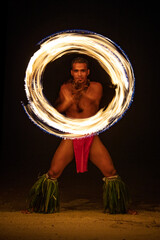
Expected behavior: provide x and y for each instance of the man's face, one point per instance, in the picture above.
(80, 72)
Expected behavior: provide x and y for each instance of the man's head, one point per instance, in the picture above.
(79, 70)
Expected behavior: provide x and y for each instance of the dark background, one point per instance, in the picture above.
(133, 142)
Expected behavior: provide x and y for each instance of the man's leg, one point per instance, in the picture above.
(44, 194)
(115, 194)
(101, 158)
(62, 157)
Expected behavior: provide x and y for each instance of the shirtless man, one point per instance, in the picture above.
(80, 99)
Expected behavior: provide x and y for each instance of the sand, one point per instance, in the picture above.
(81, 219)
(81, 215)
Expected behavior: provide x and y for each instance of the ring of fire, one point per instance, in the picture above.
(111, 58)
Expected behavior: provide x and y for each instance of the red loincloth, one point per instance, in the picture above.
(81, 150)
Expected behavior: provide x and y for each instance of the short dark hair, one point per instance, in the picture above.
(79, 60)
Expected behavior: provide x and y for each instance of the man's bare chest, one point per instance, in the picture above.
(82, 102)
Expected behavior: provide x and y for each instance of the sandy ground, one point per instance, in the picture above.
(81, 215)
(81, 219)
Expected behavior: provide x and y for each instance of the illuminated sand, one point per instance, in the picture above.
(81, 218)
(80, 224)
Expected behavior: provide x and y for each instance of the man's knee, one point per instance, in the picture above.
(109, 171)
(54, 172)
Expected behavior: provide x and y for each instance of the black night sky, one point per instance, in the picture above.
(133, 142)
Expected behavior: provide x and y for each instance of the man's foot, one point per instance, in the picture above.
(26, 211)
(132, 212)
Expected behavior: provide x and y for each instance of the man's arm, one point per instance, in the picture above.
(97, 94)
(64, 100)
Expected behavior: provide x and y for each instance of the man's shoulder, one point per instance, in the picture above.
(96, 85)
(66, 85)
(96, 89)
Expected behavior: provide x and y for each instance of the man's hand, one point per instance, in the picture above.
(65, 99)
(66, 94)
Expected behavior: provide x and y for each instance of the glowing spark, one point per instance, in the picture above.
(112, 59)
